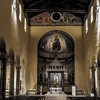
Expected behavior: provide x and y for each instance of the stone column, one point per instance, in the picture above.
(3, 74)
(93, 68)
(49, 80)
(12, 63)
(98, 78)
(65, 77)
(93, 81)
(18, 79)
(62, 80)
(18, 67)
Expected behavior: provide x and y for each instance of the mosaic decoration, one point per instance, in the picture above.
(55, 18)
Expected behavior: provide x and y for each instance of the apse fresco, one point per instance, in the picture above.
(56, 59)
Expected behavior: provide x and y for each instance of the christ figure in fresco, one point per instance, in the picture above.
(56, 46)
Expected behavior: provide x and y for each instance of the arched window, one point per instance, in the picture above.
(25, 25)
(14, 11)
(20, 12)
(91, 14)
(97, 2)
(86, 26)
(14, 4)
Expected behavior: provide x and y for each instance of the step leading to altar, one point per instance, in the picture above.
(55, 97)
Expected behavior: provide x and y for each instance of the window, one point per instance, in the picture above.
(98, 2)
(98, 25)
(25, 25)
(91, 14)
(14, 4)
(86, 27)
(90, 74)
(14, 11)
(98, 5)
(20, 12)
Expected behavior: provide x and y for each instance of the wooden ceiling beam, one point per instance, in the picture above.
(77, 4)
(35, 3)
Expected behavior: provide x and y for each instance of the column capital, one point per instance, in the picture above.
(12, 61)
(18, 67)
(92, 68)
(3, 55)
(18, 63)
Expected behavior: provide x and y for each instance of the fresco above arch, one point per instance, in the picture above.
(64, 18)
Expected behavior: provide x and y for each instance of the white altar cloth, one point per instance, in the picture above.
(57, 90)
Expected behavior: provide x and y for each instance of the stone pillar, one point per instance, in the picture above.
(3, 74)
(62, 80)
(98, 77)
(18, 67)
(65, 77)
(3, 58)
(93, 81)
(49, 80)
(12, 63)
(43, 78)
(93, 68)
(18, 79)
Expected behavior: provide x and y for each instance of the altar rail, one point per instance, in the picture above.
(43, 98)
(25, 97)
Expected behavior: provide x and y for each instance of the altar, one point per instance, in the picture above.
(57, 90)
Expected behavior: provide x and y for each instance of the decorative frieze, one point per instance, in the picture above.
(51, 55)
(55, 18)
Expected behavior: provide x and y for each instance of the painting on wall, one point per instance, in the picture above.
(56, 18)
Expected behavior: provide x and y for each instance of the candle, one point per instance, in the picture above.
(73, 90)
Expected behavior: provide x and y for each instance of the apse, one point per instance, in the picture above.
(55, 59)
